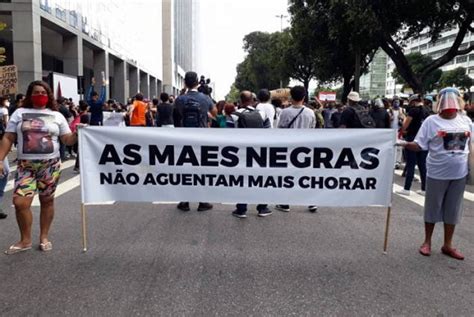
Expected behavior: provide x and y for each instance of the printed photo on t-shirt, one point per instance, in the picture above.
(36, 136)
(455, 141)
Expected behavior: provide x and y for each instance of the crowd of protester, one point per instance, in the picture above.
(194, 107)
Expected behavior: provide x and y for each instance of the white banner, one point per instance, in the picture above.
(113, 119)
(333, 167)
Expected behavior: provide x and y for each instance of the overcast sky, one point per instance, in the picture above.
(225, 23)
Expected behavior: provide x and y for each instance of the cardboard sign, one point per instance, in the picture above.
(327, 96)
(8, 80)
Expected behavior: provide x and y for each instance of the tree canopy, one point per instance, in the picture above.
(263, 66)
(418, 62)
(456, 77)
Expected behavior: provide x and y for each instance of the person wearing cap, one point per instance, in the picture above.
(412, 123)
(193, 110)
(349, 117)
(446, 136)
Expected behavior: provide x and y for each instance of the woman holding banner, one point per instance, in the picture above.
(447, 137)
(37, 127)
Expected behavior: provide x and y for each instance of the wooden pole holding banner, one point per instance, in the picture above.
(387, 225)
(84, 228)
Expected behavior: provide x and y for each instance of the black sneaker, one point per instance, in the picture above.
(204, 206)
(313, 208)
(3, 215)
(264, 212)
(239, 214)
(183, 206)
(285, 208)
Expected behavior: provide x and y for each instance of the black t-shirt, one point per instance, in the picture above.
(381, 118)
(350, 120)
(336, 119)
(164, 114)
(418, 115)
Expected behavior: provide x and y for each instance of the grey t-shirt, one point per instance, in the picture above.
(306, 120)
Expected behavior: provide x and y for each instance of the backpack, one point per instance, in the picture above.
(249, 118)
(365, 119)
(191, 113)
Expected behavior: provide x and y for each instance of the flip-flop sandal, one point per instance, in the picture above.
(46, 246)
(455, 254)
(425, 250)
(13, 249)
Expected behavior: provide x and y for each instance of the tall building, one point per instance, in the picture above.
(372, 84)
(129, 42)
(423, 45)
(181, 42)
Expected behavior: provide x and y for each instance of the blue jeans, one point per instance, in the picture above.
(415, 158)
(4, 179)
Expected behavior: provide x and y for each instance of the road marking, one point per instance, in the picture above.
(414, 197)
(64, 166)
(467, 195)
(62, 188)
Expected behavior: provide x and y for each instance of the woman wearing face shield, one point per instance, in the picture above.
(446, 136)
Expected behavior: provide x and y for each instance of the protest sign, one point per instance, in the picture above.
(8, 80)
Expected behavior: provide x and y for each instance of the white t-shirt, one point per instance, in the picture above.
(37, 132)
(269, 111)
(448, 144)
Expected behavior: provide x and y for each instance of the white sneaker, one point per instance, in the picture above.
(421, 192)
(403, 192)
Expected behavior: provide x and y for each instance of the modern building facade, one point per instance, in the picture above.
(423, 45)
(127, 42)
(181, 42)
(372, 84)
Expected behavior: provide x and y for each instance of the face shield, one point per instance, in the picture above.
(449, 98)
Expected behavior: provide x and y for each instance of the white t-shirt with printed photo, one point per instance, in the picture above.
(448, 144)
(37, 132)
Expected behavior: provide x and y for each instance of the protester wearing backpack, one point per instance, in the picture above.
(249, 117)
(356, 116)
(192, 111)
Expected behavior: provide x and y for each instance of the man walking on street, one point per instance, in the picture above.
(192, 111)
(297, 116)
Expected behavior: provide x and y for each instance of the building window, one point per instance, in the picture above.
(461, 59)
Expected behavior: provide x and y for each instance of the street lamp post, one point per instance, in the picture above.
(281, 17)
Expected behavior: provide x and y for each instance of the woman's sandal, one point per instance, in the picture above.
(455, 254)
(46, 246)
(425, 250)
(13, 249)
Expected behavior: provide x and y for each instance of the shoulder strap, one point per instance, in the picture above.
(293, 121)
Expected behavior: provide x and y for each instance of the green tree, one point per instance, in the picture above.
(456, 77)
(392, 23)
(358, 25)
(3, 57)
(418, 62)
(263, 66)
(336, 47)
(233, 94)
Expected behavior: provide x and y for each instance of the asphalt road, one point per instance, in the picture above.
(148, 259)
